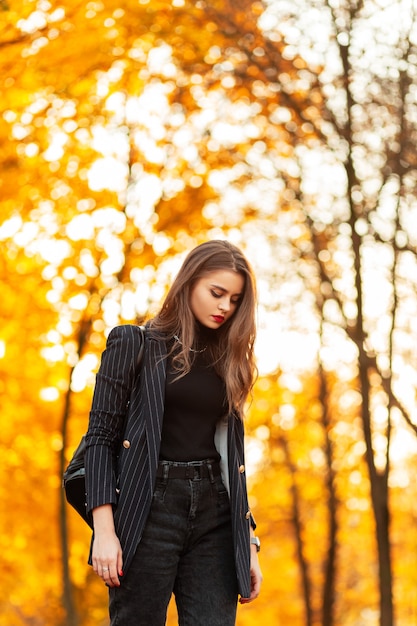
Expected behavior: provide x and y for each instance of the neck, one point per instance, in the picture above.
(204, 335)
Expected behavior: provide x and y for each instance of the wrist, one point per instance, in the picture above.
(103, 519)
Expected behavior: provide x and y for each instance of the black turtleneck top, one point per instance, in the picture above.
(193, 406)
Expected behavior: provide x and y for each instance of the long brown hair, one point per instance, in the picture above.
(232, 352)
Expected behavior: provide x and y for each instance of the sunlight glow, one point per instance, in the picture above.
(80, 227)
(84, 372)
(49, 394)
(55, 150)
(78, 302)
(54, 354)
(255, 455)
(10, 227)
(107, 173)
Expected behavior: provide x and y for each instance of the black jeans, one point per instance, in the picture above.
(186, 549)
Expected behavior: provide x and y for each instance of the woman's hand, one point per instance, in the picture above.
(107, 552)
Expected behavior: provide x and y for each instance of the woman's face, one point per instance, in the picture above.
(216, 296)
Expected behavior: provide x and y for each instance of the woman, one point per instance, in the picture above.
(182, 523)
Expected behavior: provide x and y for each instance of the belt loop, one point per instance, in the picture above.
(165, 470)
(210, 471)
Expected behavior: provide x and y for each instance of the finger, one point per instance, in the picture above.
(247, 600)
(120, 563)
(113, 580)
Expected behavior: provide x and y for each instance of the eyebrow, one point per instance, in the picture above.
(223, 289)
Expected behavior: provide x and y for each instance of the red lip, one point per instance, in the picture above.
(218, 318)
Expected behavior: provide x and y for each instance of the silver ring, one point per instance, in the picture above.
(105, 569)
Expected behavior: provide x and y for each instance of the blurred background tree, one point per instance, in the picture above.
(131, 133)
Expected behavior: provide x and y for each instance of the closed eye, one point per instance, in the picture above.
(217, 295)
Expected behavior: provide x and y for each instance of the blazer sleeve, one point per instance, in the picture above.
(114, 382)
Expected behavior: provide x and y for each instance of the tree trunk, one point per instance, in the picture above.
(328, 597)
(71, 617)
(296, 520)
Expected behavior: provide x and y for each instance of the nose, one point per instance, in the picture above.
(224, 305)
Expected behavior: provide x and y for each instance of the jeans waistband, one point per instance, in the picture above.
(194, 470)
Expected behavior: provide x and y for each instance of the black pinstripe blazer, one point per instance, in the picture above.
(121, 396)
